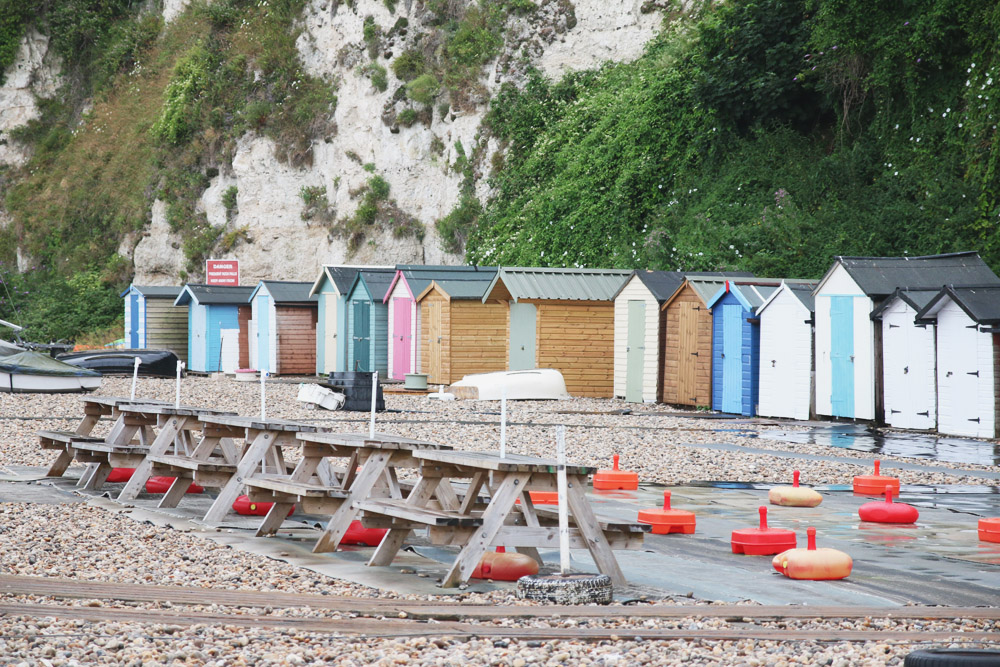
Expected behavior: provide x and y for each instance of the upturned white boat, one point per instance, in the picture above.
(27, 372)
(529, 385)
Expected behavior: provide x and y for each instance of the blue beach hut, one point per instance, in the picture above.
(330, 290)
(368, 321)
(213, 325)
(152, 321)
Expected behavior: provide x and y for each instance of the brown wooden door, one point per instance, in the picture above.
(687, 350)
(434, 342)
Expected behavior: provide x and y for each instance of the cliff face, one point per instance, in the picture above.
(365, 137)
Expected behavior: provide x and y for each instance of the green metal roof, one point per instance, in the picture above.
(286, 291)
(560, 284)
(463, 289)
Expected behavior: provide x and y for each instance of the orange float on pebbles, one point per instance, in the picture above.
(812, 563)
(989, 529)
(357, 534)
(888, 511)
(762, 541)
(246, 507)
(794, 495)
(875, 485)
(615, 479)
(666, 520)
(502, 566)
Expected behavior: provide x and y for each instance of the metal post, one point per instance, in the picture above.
(503, 422)
(371, 423)
(135, 377)
(177, 394)
(562, 490)
(263, 395)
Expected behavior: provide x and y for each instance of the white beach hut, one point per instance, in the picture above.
(786, 352)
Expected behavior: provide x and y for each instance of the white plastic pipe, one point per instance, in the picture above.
(263, 395)
(561, 487)
(503, 422)
(371, 423)
(177, 393)
(135, 377)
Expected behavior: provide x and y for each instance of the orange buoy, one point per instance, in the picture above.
(812, 563)
(502, 566)
(243, 505)
(624, 480)
(875, 485)
(794, 495)
(162, 484)
(665, 521)
(762, 541)
(359, 535)
(888, 511)
(544, 497)
(989, 529)
(120, 475)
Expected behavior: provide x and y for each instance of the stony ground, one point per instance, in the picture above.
(93, 544)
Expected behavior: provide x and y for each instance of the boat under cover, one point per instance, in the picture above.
(28, 372)
(152, 363)
(527, 385)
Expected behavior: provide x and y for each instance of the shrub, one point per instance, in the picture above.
(229, 197)
(407, 117)
(423, 89)
(408, 65)
(377, 74)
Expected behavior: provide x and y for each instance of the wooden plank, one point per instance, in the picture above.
(341, 520)
(401, 510)
(597, 544)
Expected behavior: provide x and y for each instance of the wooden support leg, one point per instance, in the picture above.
(175, 492)
(248, 464)
(98, 477)
(422, 492)
(500, 506)
(86, 427)
(530, 519)
(160, 445)
(58, 467)
(591, 531)
(341, 520)
(276, 515)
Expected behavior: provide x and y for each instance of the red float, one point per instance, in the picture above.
(120, 475)
(989, 529)
(503, 566)
(665, 521)
(888, 511)
(361, 536)
(162, 484)
(762, 541)
(243, 505)
(794, 495)
(615, 479)
(812, 563)
(875, 485)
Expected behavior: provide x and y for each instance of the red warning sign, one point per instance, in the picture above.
(222, 272)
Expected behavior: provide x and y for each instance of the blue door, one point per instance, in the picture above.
(842, 356)
(732, 358)
(133, 334)
(362, 336)
(263, 334)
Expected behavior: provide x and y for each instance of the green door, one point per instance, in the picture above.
(635, 351)
(522, 336)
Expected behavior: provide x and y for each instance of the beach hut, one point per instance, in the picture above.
(404, 315)
(848, 342)
(459, 333)
(562, 319)
(786, 352)
(909, 386)
(687, 342)
(283, 328)
(330, 289)
(968, 358)
(368, 321)
(214, 340)
(152, 321)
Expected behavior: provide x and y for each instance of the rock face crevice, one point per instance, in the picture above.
(266, 228)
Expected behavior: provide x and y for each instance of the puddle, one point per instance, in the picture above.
(926, 489)
(909, 445)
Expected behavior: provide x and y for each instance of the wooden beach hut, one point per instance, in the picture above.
(909, 359)
(968, 358)
(368, 321)
(214, 339)
(330, 290)
(786, 352)
(404, 315)
(152, 321)
(849, 343)
(459, 333)
(283, 328)
(562, 319)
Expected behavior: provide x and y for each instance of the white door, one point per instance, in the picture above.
(907, 370)
(785, 359)
(230, 350)
(252, 344)
(965, 376)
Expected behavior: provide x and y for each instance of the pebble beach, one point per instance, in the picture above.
(74, 540)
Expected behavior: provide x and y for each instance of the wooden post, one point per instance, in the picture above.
(561, 489)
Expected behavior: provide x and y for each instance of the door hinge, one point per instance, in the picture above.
(893, 326)
(975, 420)
(976, 373)
(894, 412)
(694, 354)
(925, 414)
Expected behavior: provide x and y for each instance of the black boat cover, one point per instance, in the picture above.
(152, 363)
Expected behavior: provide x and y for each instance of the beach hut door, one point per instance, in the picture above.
(842, 356)
(401, 337)
(434, 331)
(133, 334)
(362, 336)
(522, 336)
(635, 351)
(263, 334)
(688, 353)
(732, 360)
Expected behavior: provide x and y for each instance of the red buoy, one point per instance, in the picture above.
(502, 566)
(794, 495)
(243, 505)
(812, 563)
(666, 520)
(875, 485)
(162, 484)
(888, 511)
(120, 475)
(359, 535)
(989, 529)
(762, 541)
(608, 480)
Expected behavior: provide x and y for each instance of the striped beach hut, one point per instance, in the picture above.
(786, 352)
(460, 334)
(214, 326)
(562, 319)
(330, 290)
(368, 321)
(283, 328)
(152, 321)
(404, 315)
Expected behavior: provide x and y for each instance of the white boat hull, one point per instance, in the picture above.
(529, 385)
(23, 383)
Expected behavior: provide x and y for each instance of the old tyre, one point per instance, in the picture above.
(952, 657)
(566, 589)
